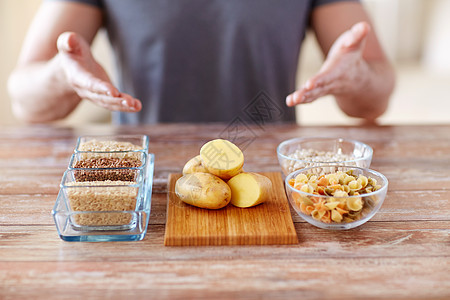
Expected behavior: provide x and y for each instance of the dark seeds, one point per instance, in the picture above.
(102, 175)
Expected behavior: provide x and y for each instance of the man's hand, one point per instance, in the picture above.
(343, 72)
(356, 70)
(56, 69)
(88, 79)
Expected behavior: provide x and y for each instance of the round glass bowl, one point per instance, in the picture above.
(338, 212)
(299, 153)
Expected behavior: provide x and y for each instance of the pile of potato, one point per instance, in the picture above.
(215, 178)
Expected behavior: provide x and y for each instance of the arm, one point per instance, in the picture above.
(56, 68)
(356, 71)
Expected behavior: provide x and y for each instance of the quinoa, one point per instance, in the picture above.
(109, 174)
(95, 149)
(106, 146)
(104, 162)
(105, 175)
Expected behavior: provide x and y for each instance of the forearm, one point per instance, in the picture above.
(369, 96)
(40, 92)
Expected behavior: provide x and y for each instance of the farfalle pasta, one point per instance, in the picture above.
(343, 190)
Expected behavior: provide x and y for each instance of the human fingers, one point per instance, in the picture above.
(297, 96)
(97, 85)
(123, 102)
(84, 72)
(319, 85)
(73, 43)
(68, 42)
(132, 103)
(291, 99)
(62, 42)
(314, 94)
(339, 65)
(357, 36)
(81, 79)
(352, 40)
(347, 48)
(303, 95)
(338, 68)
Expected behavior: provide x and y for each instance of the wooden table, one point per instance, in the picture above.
(402, 253)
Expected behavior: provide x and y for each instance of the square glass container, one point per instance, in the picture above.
(112, 143)
(104, 210)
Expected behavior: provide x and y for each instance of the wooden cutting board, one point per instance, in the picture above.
(266, 224)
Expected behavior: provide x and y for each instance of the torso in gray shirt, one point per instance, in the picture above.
(207, 60)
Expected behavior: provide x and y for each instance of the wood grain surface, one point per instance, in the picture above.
(269, 223)
(402, 253)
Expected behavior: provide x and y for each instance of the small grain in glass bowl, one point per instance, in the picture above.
(108, 202)
(102, 202)
(299, 153)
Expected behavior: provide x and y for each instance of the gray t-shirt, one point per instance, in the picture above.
(207, 60)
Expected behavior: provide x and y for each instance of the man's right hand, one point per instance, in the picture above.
(88, 78)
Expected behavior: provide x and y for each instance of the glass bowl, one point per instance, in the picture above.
(317, 201)
(299, 153)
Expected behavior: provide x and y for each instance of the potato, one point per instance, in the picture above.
(203, 190)
(249, 189)
(222, 158)
(194, 165)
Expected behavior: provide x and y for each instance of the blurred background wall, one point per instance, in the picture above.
(414, 33)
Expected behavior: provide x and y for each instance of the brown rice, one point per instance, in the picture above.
(95, 196)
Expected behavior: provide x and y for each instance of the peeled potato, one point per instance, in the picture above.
(203, 190)
(249, 189)
(194, 165)
(222, 158)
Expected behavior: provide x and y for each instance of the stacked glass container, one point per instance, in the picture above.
(105, 193)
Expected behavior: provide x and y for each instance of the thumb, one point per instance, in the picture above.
(351, 42)
(356, 37)
(69, 42)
